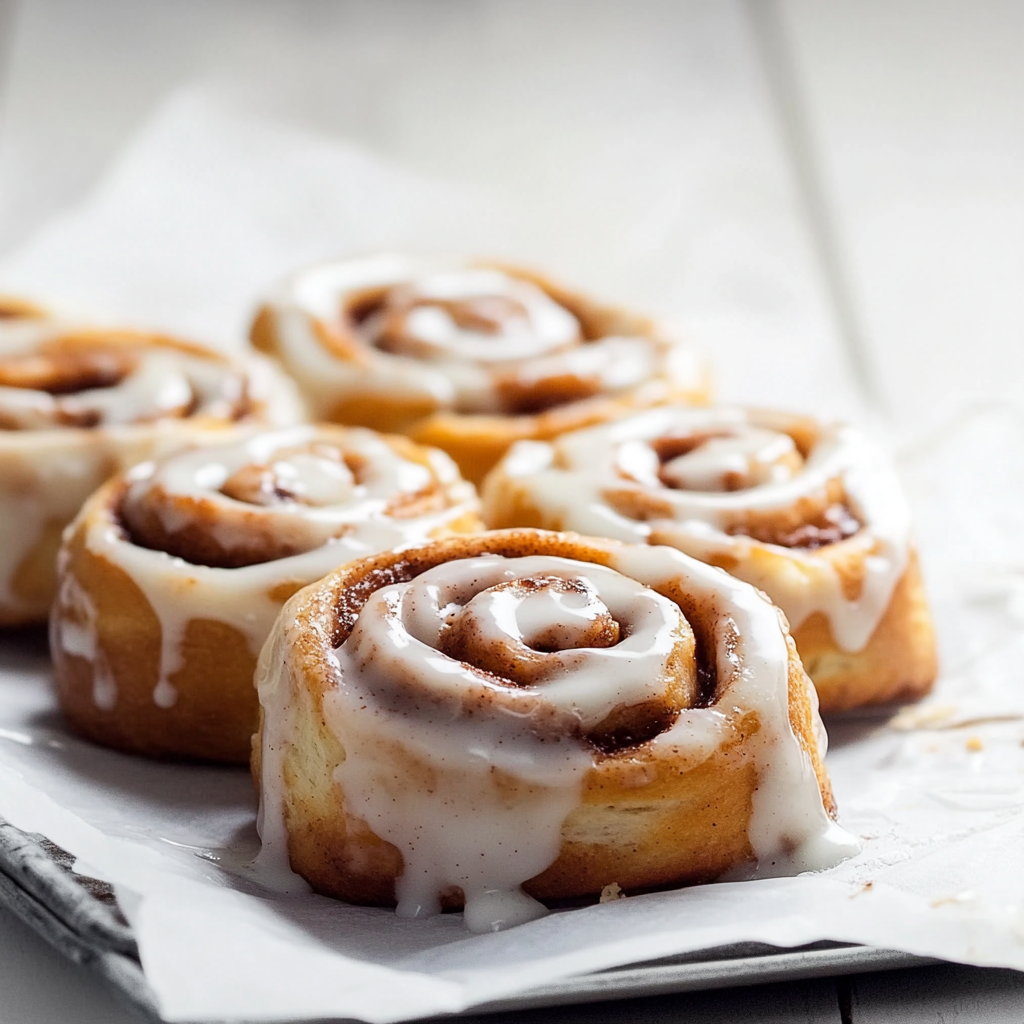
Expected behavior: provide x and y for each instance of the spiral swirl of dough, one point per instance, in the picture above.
(612, 657)
(735, 488)
(467, 357)
(278, 495)
(102, 378)
(477, 697)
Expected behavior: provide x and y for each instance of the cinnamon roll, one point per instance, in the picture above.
(811, 513)
(517, 716)
(78, 404)
(467, 357)
(172, 574)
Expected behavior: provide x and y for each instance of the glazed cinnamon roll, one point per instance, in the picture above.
(518, 716)
(172, 574)
(78, 404)
(809, 512)
(467, 357)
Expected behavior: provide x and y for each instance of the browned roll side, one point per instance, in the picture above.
(172, 574)
(521, 715)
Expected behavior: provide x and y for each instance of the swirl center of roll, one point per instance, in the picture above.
(317, 477)
(480, 315)
(725, 460)
(509, 629)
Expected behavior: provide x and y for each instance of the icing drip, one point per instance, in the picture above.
(711, 482)
(75, 633)
(470, 703)
(466, 339)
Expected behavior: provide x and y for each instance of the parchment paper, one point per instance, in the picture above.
(208, 206)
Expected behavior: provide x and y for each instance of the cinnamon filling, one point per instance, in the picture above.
(65, 373)
(528, 398)
(832, 524)
(483, 314)
(194, 541)
(572, 617)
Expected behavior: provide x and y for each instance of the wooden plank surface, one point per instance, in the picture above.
(915, 114)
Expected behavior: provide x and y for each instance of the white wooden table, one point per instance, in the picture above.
(843, 179)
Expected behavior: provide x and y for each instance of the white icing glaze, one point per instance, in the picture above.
(524, 321)
(488, 811)
(440, 363)
(569, 479)
(273, 684)
(179, 591)
(329, 502)
(156, 384)
(75, 633)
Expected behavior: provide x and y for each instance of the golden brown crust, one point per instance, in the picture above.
(644, 820)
